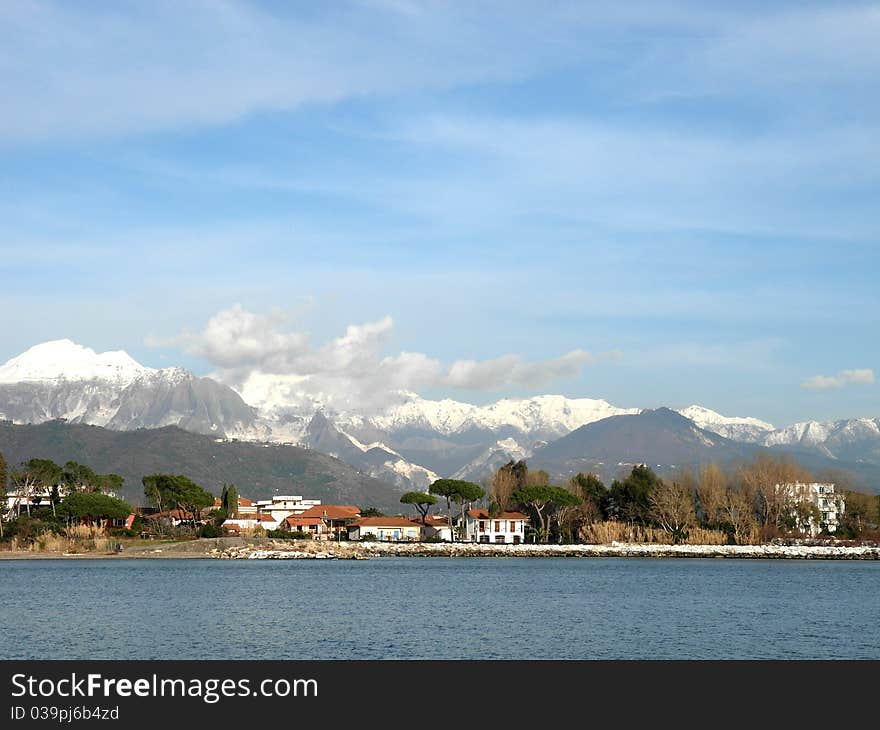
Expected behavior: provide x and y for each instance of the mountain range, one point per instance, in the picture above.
(412, 443)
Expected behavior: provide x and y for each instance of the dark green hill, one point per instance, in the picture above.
(257, 470)
(665, 440)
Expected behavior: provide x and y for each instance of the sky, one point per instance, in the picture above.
(651, 203)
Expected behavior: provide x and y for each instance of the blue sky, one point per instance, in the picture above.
(683, 195)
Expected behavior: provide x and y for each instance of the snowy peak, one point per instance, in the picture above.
(808, 433)
(736, 428)
(702, 416)
(546, 414)
(64, 360)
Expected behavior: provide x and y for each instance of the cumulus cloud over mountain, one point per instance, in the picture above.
(263, 358)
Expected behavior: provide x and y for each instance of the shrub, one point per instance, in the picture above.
(211, 530)
(285, 535)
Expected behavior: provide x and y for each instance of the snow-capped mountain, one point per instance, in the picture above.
(855, 439)
(376, 459)
(64, 360)
(62, 379)
(737, 428)
(409, 444)
(546, 416)
(497, 455)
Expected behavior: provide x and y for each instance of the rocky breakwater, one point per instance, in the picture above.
(307, 550)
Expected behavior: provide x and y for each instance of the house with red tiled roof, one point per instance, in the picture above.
(245, 505)
(435, 526)
(386, 529)
(251, 522)
(506, 527)
(336, 518)
(297, 523)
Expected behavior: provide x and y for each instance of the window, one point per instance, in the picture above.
(517, 539)
(482, 525)
(499, 538)
(497, 526)
(512, 526)
(484, 538)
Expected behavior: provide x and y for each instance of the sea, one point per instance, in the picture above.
(440, 608)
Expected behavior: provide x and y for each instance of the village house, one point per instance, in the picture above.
(251, 522)
(829, 505)
(385, 529)
(435, 527)
(503, 528)
(245, 506)
(314, 526)
(281, 507)
(335, 517)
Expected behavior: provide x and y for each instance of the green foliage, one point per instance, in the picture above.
(457, 490)
(218, 516)
(93, 505)
(27, 530)
(229, 500)
(589, 486)
(4, 477)
(211, 530)
(168, 491)
(422, 501)
(542, 499)
(372, 512)
(631, 498)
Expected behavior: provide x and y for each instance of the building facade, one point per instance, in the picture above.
(503, 528)
(827, 505)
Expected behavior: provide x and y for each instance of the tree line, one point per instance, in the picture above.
(741, 504)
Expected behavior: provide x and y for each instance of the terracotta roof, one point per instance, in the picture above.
(332, 511)
(433, 520)
(262, 517)
(242, 502)
(384, 522)
(302, 521)
(483, 514)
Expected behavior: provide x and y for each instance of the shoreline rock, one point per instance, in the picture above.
(303, 550)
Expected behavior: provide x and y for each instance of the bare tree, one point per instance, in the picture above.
(672, 505)
(505, 482)
(711, 489)
(763, 477)
(738, 511)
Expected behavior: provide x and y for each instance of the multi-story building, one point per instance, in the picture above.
(829, 505)
(506, 527)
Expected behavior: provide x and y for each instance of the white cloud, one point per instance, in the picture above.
(270, 366)
(510, 370)
(864, 376)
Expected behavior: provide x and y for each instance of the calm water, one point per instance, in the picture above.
(439, 608)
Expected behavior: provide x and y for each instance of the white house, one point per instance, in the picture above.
(386, 529)
(830, 504)
(503, 528)
(436, 526)
(250, 522)
(282, 506)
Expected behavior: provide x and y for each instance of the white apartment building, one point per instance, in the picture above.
(830, 504)
(283, 506)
